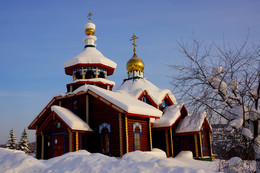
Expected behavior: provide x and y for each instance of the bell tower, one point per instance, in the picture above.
(90, 67)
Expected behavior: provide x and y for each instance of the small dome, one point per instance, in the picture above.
(135, 64)
(90, 28)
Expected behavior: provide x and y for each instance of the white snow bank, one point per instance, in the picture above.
(137, 86)
(83, 161)
(14, 161)
(72, 120)
(90, 55)
(185, 155)
(170, 115)
(191, 123)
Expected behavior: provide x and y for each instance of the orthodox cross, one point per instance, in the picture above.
(134, 37)
(89, 16)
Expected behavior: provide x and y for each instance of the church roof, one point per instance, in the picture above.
(136, 87)
(170, 115)
(90, 56)
(192, 123)
(72, 120)
(123, 101)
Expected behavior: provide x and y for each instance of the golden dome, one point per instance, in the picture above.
(135, 64)
(89, 31)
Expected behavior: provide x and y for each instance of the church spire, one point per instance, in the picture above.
(134, 37)
(135, 66)
(90, 31)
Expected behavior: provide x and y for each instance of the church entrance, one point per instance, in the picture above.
(58, 144)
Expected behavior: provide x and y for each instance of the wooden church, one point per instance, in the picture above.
(136, 116)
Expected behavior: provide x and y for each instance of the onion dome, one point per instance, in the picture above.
(135, 64)
(90, 56)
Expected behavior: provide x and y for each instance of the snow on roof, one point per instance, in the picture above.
(72, 120)
(90, 55)
(170, 115)
(102, 80)
(123, 100)
(191, 123)
(137, 86)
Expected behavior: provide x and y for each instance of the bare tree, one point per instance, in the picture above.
(225, 81)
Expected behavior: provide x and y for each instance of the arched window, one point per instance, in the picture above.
(146, 100)
(104, 131)
(101, 74)
(78, 75)
(90, 74)
(137, 130)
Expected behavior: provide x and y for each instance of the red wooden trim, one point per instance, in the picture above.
(46, 122)
(110, 70)
(184, 109)
(169, 100)
(186, 133)
(207, 125)
(146, 116)
(150, 99)
(86, 82)
(40, 116)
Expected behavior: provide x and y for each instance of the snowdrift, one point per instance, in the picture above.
(12, 161)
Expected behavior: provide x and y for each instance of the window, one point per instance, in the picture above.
(101, 75)
(78, 75)
(90, 74)
(75, 106)
(146, 100)
(58, 125)
(137, 130)
(164, 104)
(104, 130)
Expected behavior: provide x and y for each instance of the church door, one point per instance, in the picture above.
(58, 144)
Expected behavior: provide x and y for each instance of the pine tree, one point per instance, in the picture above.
(24, 143)
(12, 143)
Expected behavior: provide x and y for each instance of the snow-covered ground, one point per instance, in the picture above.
(12, 161)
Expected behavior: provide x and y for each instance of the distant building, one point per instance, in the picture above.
(136, 116)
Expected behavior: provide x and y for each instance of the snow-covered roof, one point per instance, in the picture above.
(123, 101)
(102, 80)
(191, 123)
(137, 86)
(90, 55)
(72, 120)
(169, 117)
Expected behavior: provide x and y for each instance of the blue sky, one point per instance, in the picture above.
(37, 37)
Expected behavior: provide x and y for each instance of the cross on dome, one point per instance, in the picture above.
(89, 16)
(134, 37)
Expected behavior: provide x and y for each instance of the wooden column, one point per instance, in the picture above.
(196, 146)
(77, 141)
(210, 145)
(83, 76)
(70, 141)
(201, 151)
(171, 142)
(36, 142)
(87, 109)
(59, 103)
(167, 143)
(150, 135)
(126, 135)
(120, 135)
(42, 153)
